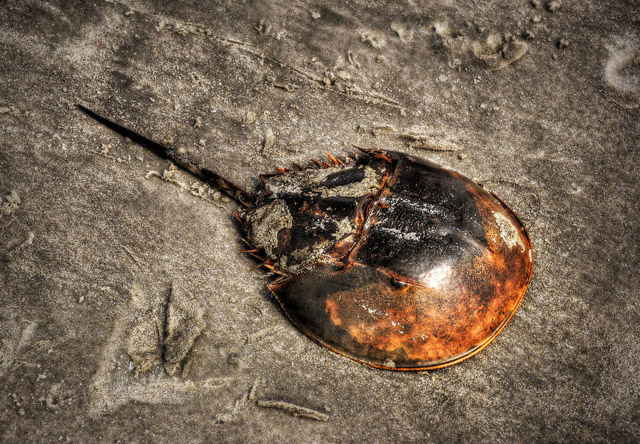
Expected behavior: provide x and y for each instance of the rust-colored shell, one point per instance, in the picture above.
(429, 270)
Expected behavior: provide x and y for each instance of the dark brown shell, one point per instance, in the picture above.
(394, 261)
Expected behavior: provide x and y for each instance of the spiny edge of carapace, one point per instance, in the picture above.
(336, 162)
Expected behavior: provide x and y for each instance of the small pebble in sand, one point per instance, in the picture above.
(535, 3)
(249, 118)
(563, 43)
(554, 5)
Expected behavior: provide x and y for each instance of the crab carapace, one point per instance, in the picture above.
(385, 258)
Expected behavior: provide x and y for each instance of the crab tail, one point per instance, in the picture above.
(180, 159)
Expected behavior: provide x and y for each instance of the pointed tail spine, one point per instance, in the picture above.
(180, 159)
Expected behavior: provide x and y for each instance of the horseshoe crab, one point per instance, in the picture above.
(385, 258)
